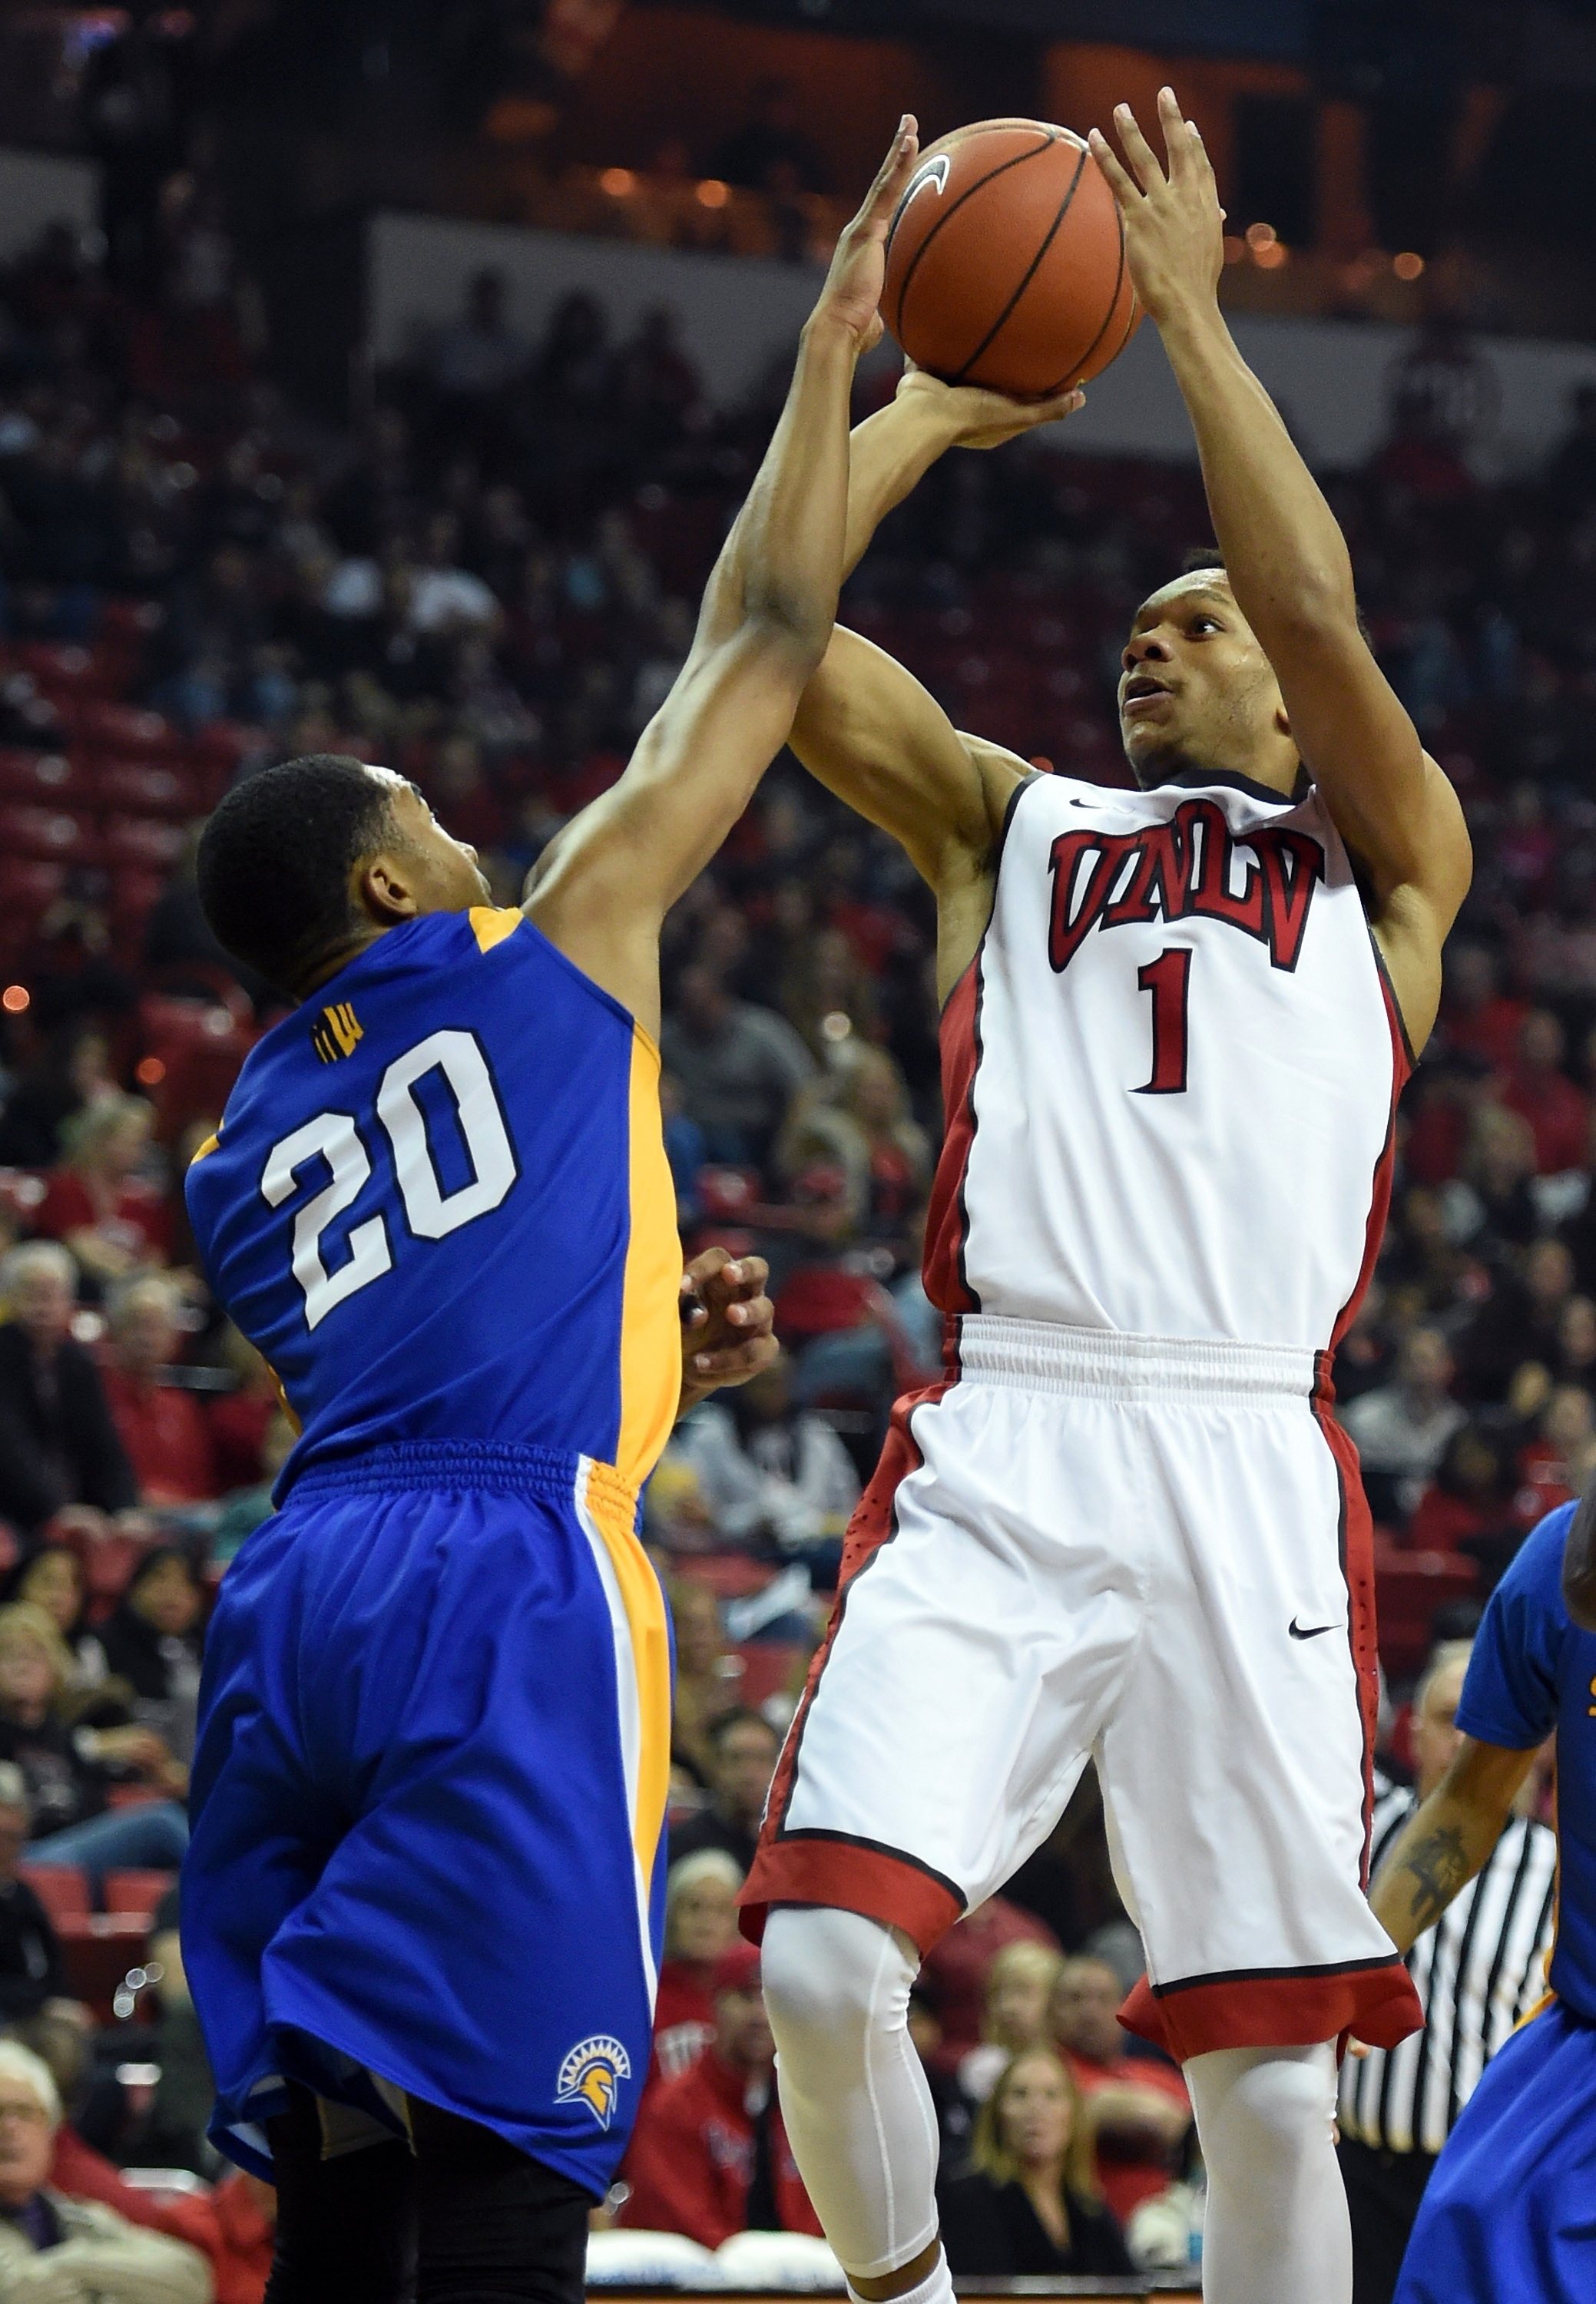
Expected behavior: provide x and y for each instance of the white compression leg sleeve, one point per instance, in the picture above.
(1277, 2222)
(854, 2097)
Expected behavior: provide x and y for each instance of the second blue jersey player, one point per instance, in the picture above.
(422, 1901)
(1510, 2211)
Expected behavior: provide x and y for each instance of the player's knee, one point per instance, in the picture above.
(831, 1977)
(1255, 2106)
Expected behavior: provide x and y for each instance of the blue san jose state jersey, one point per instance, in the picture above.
(1533, 1671)
(439, 1203)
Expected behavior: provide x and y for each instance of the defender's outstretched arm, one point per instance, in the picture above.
(603, 887)
(1289, 567)
(1446, 1839)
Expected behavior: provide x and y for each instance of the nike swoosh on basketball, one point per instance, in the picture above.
(1309, 1632)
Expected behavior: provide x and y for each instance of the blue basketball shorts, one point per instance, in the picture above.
(1509, 2214)
(429, 1792)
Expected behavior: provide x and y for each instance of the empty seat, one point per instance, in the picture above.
(55, 836)
(146, 788)
(129, 731)
(137, 1891)
(143, 842)
(49, 779)
(63, 1889)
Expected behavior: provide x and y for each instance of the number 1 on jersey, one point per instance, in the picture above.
(1167, 978)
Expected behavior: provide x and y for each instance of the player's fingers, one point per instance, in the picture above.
(738, 1363)
(757, 1312)
(1138, 151)
(892, 177)
(1177, 134)
(1121, 183)
(704, 1266)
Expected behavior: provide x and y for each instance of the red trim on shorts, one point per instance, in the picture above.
(849, 1876)
(1276, 2008)
(1357, 1522)
(824, 1868)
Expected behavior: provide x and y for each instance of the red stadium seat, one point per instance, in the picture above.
(137, 1891)
(49, 779)
(28, 885)
(1409, 1587)
(62, 664)
(146, 788)
(141, 842)
(51, 834)
(128, 731)
(61, 1888)
(768, 1667)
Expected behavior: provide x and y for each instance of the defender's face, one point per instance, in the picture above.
(1195, 689)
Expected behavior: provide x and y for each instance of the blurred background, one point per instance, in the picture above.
(381, 376)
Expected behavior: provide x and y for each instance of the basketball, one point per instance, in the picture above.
(1005, 262)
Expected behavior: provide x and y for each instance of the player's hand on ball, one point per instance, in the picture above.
(974, 418)
(728, 1323)
(858, 271)
(1174, 235)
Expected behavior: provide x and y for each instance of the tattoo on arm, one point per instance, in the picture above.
(1438, 1866)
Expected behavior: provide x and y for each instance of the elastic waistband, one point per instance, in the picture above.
(500, 1467)
(1104, 1364)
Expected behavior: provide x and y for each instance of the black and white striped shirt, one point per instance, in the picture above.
(1476, 1971)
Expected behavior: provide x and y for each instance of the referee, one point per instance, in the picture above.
(1477, 1972)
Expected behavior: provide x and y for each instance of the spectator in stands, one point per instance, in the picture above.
(1492, 1205)
(1540, 1091)
(243, 2209)
(1520, 1322)
(700, 1927)
(58, 1444)
(32, 1972)
(69, 1771)
(1467, 1506)
(172, 2132)
(96, 2254)
(743, 1753)
(1030, 2204)
(155, 1640)
(1141, 2111)
(955, 1970)
(1477, 1017)
(53, 1579)
(771, 145)
(1557, 1463)
(71, 1072)
(1016, 2013)
(738, 1065)
(161, 1426)
(710, 2156)
(774, 1476)
(1402, 1428)
(706, 1683)
(97, 1202)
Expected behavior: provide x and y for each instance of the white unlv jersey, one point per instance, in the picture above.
(1170, 1074)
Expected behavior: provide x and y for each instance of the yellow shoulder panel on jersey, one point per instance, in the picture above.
(492, 926)
(209, 1145)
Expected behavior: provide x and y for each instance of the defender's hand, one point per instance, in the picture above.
(858, 271)
(1174, 238)
(972, 418)
(726, 1324)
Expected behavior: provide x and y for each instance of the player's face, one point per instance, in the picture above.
(441, 872)
(1195, 689)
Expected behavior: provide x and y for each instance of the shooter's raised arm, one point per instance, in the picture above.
(606, 884)
(1289, 568)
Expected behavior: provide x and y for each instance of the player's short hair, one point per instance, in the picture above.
(1207, 560)
(274, 861)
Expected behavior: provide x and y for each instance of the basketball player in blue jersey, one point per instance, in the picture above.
(421, 1911)
(1511, 2212)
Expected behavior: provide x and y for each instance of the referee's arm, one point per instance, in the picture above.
(1446, 1839)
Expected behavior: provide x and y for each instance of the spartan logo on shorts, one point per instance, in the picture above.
(593, 2070)
(1184, 869)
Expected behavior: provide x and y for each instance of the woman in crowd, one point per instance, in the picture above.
(1029, 2204)
(1016, 2004)
(97, 1203)
(705, 1689)
(700, 1924)
(53, 1579)
(69, 1771)
(155, 1641)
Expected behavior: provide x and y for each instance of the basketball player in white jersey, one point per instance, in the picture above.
(1128, 1525)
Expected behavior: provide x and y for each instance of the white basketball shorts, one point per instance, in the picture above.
(1154, 1552)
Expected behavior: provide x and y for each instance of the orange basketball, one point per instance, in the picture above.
(1006, 261)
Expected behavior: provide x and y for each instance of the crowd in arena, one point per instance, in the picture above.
(489, 582)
